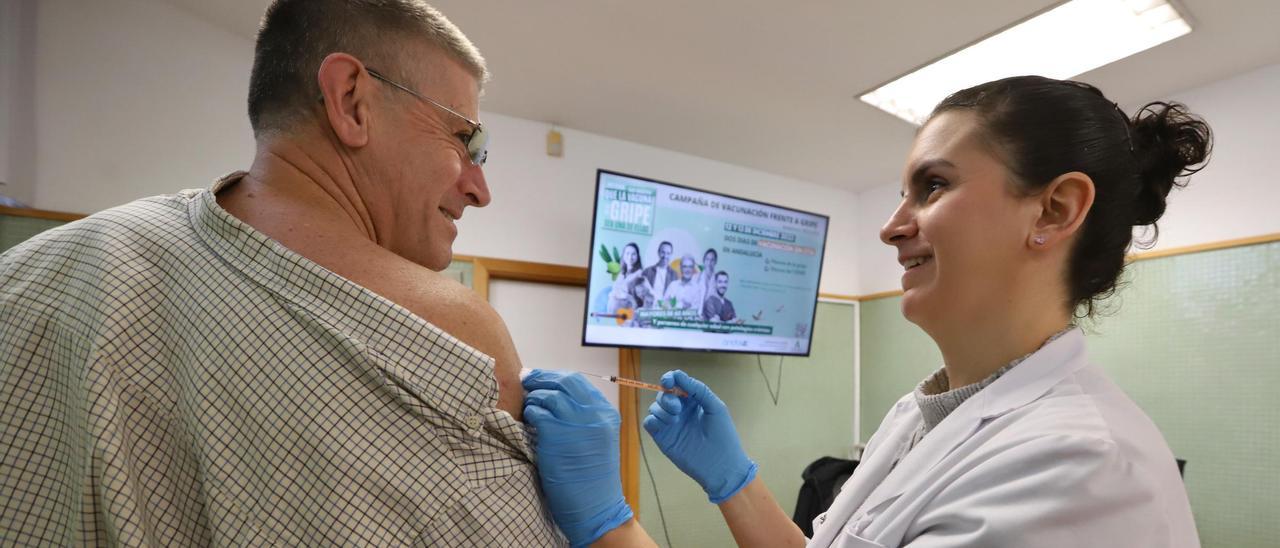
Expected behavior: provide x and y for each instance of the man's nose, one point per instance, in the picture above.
(474, 185)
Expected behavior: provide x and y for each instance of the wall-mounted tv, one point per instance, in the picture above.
(679, 268)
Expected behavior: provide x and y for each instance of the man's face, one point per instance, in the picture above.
(722, 284)
(664, 253)
(687, 268)
(418, 177)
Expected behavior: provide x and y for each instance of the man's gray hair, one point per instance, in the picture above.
(296, 35)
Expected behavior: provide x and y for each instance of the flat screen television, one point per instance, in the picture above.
(674, 267)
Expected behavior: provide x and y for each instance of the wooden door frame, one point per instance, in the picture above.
(485, 269)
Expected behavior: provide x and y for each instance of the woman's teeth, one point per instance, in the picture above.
(912, 263)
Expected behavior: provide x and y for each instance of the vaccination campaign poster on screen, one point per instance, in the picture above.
(674, 267)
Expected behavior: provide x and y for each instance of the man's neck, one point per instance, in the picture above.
(285, 177)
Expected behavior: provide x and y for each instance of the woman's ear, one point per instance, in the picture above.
(345, 88)
(1064, 204)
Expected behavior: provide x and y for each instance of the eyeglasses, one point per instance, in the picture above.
(477, 142)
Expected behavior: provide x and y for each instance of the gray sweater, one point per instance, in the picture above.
(936, 399)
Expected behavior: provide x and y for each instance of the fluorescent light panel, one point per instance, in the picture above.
(1064, 42)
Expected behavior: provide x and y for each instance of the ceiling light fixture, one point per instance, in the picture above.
(1063, 42)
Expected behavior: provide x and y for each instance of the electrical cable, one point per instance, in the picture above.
(652, 481)
(772, 394)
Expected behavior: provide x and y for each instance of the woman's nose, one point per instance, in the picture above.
(900, 226)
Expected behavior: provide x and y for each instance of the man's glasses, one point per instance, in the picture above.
(477, 142)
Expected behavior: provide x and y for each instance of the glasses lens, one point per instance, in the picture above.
(478, 146)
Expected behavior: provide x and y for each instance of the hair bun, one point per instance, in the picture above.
(1169, 142)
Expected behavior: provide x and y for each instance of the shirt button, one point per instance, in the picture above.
(473, 422)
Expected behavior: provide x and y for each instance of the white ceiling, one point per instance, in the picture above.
(772, 85)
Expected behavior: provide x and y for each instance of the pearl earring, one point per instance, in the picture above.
(1039, 239)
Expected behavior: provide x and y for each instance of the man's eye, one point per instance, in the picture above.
(463, 136)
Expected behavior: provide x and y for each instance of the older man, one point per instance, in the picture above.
(685, 292)
(274, 361)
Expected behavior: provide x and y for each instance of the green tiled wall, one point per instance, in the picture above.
(1195, 341)
(896, 356)
(813, 418)
(462, 271)
(15, 230)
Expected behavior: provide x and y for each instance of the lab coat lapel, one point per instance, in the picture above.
(869, 473)
(1023, 384)
(944, 438)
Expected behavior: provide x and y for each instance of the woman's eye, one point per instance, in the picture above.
(934, 185)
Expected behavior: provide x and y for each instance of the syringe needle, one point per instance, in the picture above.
(623, 381)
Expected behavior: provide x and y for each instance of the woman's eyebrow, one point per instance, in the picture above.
(918, 174)
(922, 169)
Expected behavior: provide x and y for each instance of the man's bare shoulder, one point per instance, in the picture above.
(439, 299)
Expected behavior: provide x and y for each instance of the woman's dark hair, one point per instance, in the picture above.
(636, 265)
(1043, 128)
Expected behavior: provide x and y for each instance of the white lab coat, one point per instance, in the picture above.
(1050, 454)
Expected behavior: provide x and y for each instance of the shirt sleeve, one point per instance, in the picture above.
(44, 451)
(709, 309)
(727, 313)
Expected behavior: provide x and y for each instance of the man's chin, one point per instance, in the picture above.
(441, 264)
(437, 261)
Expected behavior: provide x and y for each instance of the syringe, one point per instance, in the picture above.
(623, 381)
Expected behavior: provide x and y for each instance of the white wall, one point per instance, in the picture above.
(542, 206)
(137, 97)
(878, 268)
(134, 98)
(17, 98)
(1236, 196)
(548, 332)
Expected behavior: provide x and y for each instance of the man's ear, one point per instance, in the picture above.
(345, 89)
(1064, 204)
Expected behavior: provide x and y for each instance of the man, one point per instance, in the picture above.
(660, 274)
(275, 361)
(717, 307)
(686, 291)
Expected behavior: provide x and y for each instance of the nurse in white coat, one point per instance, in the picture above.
(1019, 199)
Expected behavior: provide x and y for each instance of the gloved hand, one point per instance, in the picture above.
(697, 434)
(576, 441)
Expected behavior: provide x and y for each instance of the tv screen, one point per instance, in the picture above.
(679, 268)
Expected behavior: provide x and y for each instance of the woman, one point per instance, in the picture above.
(620, 295)
(1019, 200)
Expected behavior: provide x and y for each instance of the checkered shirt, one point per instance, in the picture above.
(171, 377)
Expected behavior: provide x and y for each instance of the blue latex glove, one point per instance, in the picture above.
(697, 434)
(576, 440)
